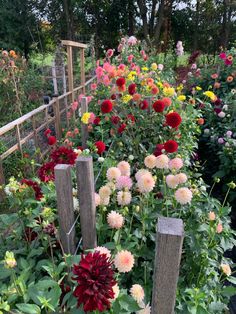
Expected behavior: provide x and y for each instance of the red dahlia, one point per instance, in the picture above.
(173, 119)
(64, 155)
(171, 146)
(115, 119)
(96, 121)
(52, 140)
(106, 106)
(101, 147)
(159, 106)
(143, 105)
(131, 117)
(47, 132)
(121, 128)
(158, 150)
(113, 96)
(95, 279)
(120, 81)
(132, 89)
(46, 172)
(35, 186)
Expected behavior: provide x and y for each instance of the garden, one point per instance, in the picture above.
(119, 195)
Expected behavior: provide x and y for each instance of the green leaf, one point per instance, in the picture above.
(232, 280)
(29, 308)
(229, 291)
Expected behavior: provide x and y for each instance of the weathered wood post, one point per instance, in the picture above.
(56, 109)
(82, 70)
(70, 71)
(84, 127)
(149, 100)
(54, 77)
(169, 241)
(86, 195)
(65, 207)
(2, 181)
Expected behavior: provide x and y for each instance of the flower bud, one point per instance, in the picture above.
(9, 260)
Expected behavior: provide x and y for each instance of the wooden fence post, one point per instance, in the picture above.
(169, 241)
(70, 71)
(149, 100)
(19, 139)
(82, 70)
(84, 127)
(86, 195)
(65, 207)
(56, 109)
(54, 77)
(2, 181)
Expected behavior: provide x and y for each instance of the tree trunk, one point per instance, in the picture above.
(225, 30)
(152, 18)
(68, 11)
(157, 30)
(130, 18)
(143, 13)
(195, 34)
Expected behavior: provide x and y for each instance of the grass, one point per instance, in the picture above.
(42, 59)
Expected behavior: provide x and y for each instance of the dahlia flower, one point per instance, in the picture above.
(104, 191)
(173, 119)
(124, 167)
(115, 220)
(95, 279)
(141, 172)
(46, 172)
(64, 155)
(124, 261)
(123, 182)
(146, 183)
(124, 198)
(137, 293)
(103, 250)
(183, 196)
(181, 178)
(211, 216)
(226, 269)
(162, 162)
(172, 181)
(150, 161)
(104, 201)
(113, 173)
(97, 199)
(176, 163)
(159, 106)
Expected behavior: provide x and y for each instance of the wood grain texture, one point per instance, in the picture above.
(73, 44)
(84, 127)
(2, 181)
(82, 70)
(169, 241)
(65, 207)
(56, 109)
(86, 195)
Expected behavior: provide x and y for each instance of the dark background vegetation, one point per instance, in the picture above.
(27, 25)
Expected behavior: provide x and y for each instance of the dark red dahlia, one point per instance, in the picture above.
(113, 96)
(29, 234)
(106, 106)
(47, 132)
(115, 120)
(171, 146)
(132, 89)
(80, 147)
(158, 149)
(159, 106)
(173, 119)
(101, 147)
(120, 81)
(131, 117)
(64, 155)
(35, 186)
(46, 172)
(52, 140)
(95, 279)
(50, 229)
(143, 105)
(121, 128)
(97, 121)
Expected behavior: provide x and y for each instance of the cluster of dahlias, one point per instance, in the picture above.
(35, 186)
(61, 155)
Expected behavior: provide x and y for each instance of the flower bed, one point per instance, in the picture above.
(143, 134)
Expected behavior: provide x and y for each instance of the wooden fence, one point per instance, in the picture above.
(169, 237)
(29, 128)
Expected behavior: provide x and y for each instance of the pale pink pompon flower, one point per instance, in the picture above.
(113, 173)
(145, 309)
(124, 198)
(176, 163)
(172, 181)
(103, 250)
(115, 220)
(150, 161)
(124, 182)
(183, 196)
(146, 183)
(124, 167)
(162, 162)
(104, 191)
(137, 293)
(181, 177)
(97, 199)
(124, 261)
(140, 173)
(132, 41)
